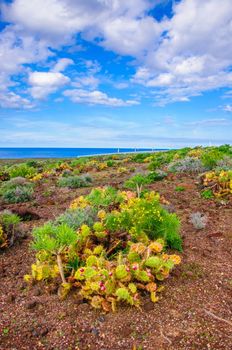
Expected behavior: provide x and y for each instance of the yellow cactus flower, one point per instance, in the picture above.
(101, 214)
(156, 247)
(176, 259)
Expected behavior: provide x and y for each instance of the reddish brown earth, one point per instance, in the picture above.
(194, 311)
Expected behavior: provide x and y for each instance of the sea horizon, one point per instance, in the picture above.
(66, 152)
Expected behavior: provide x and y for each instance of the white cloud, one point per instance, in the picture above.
(59, 19)
(90, 81)
(45, 83)
(179, 57)
(129, 36)
(12, 100)
(15, 52)
(97, 97)
(210, 122)
(62, 64)
(120, 86)
(228, 108)
(194, 55)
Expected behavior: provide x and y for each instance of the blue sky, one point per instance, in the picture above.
(115, 73)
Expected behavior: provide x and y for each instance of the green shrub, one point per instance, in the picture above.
(22, 170)
(32, 163)
(110, 163)
(160, 159)
(18, 194)
(207, 194)
(17, 190)
(211, 157)
(157, 175)
(75, 181)
(8, 228)
(179, 189)
(224, 164)
(139, 157)
(54, 240)
(187, 164)
(79, 161)
(108, 264)
(75, 218)
(105, 197)
(146, 218)
(137, 182)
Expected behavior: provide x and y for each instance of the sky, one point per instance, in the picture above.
(115, 73)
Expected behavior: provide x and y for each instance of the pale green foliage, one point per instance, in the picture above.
(53, 238)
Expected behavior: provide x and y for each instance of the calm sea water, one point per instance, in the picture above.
(17, 153)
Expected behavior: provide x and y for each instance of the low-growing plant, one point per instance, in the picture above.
(79, 161)
(198, 220)
(32, 163)
(104, 197)
(101, 166)
(219, 183)
(17, 190)
(54, 240)
(8, 228)
(75, 218)
(110, 163)
(139, 157)
(137, 183)
(22, 170)
(207, 194)
(179, 188)
(75, 181)
(18, 194)
(224, 164)
(115, 260)
(161, 159)
(187, 164)
(123, 170)
(157, 175)
(210, 158)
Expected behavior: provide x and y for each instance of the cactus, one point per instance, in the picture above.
(114, 259)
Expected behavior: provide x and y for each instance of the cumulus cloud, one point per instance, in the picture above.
(129, 36)
(59, 19)
(10, 99)
(97, 97)
(194, 54)
(89, 81)
(45, 83)
(176, 58)
(62, 64)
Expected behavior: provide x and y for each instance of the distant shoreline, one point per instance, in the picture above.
(8, 154)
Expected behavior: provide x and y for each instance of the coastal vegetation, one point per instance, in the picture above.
(118, 232)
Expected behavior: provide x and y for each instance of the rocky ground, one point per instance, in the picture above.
(194, 311)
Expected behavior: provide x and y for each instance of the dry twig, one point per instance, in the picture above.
(210, 313)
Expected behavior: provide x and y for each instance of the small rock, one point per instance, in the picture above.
(189, 274)
(23, 285)
(31, 304)
(44, 331)
(101, 318)
(148, 306)
(37, 292)
(10, 298)
(95, 331)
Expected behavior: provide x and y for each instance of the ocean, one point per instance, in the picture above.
(25, 153)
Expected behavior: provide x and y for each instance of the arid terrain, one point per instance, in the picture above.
(194, 310)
